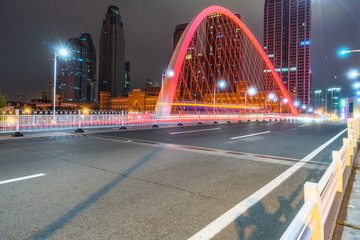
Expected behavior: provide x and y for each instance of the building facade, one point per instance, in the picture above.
(136, 101)
(112, 54)
(333, 100)
(78, 71)
(287, 25)
(179, 30)
(90, 49)
(320, 101)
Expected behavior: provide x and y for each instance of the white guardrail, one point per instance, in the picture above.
(317, 218)
(19, 121)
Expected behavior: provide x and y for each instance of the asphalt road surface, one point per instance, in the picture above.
(167, 183)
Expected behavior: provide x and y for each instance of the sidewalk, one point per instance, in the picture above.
(348, 222)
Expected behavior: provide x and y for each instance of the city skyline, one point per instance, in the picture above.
(149, 57)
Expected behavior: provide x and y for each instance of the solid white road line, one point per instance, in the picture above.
(250, 135)
(194, 131)
(22, 178)
(227, 218)
(304, 125)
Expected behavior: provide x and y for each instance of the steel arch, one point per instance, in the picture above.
(170, 81)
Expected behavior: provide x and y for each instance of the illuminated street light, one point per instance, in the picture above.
(252, 91)
(304, 107)
(296, 103)
(345, 52)
(285, 101)
(170, 73)
(271, 96)
(356, 85)
(64, 53)
(353, 74)
(222, 84)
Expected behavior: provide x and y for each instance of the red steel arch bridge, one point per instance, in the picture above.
(219, 67)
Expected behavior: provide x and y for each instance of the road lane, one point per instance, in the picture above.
(99, 187)
(89, 189)
(280, 142)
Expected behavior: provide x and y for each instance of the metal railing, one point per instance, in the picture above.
(310, 222)
(19, 120)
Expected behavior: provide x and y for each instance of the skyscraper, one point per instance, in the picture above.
(179, 30)
(287, 42)
(87, 41)
(78, 70)
(112, 54)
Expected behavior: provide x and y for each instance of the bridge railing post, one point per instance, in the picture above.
(312, 193)
(79, 130)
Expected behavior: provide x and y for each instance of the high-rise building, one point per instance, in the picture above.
(112, 54)
(179, 30)
(287, 42)
(320, 100)
(333, 100)
(78, 70)
(89, 45)
(127, 78)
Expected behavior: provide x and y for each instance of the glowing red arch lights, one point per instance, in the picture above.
(171, 80)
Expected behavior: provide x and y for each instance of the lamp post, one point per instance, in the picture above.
(62, 52)
(170, 74)
(270, 97)
(345, 52)
(252, 92)
(221, 85)
(284, 101)
(304, 107)
(353, 74)
(162, 84)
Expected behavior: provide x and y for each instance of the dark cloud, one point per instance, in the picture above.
(29, 30)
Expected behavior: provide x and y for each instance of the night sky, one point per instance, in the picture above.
(30, 30)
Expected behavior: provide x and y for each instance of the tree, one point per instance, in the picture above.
(3, 102)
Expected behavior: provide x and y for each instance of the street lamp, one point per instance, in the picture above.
(283, 102)
(270, 97)
(353, 74)
(296, 104)
(221, 85)
(62, 52)
(344, 52)
(170, 74)
(251, 92)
